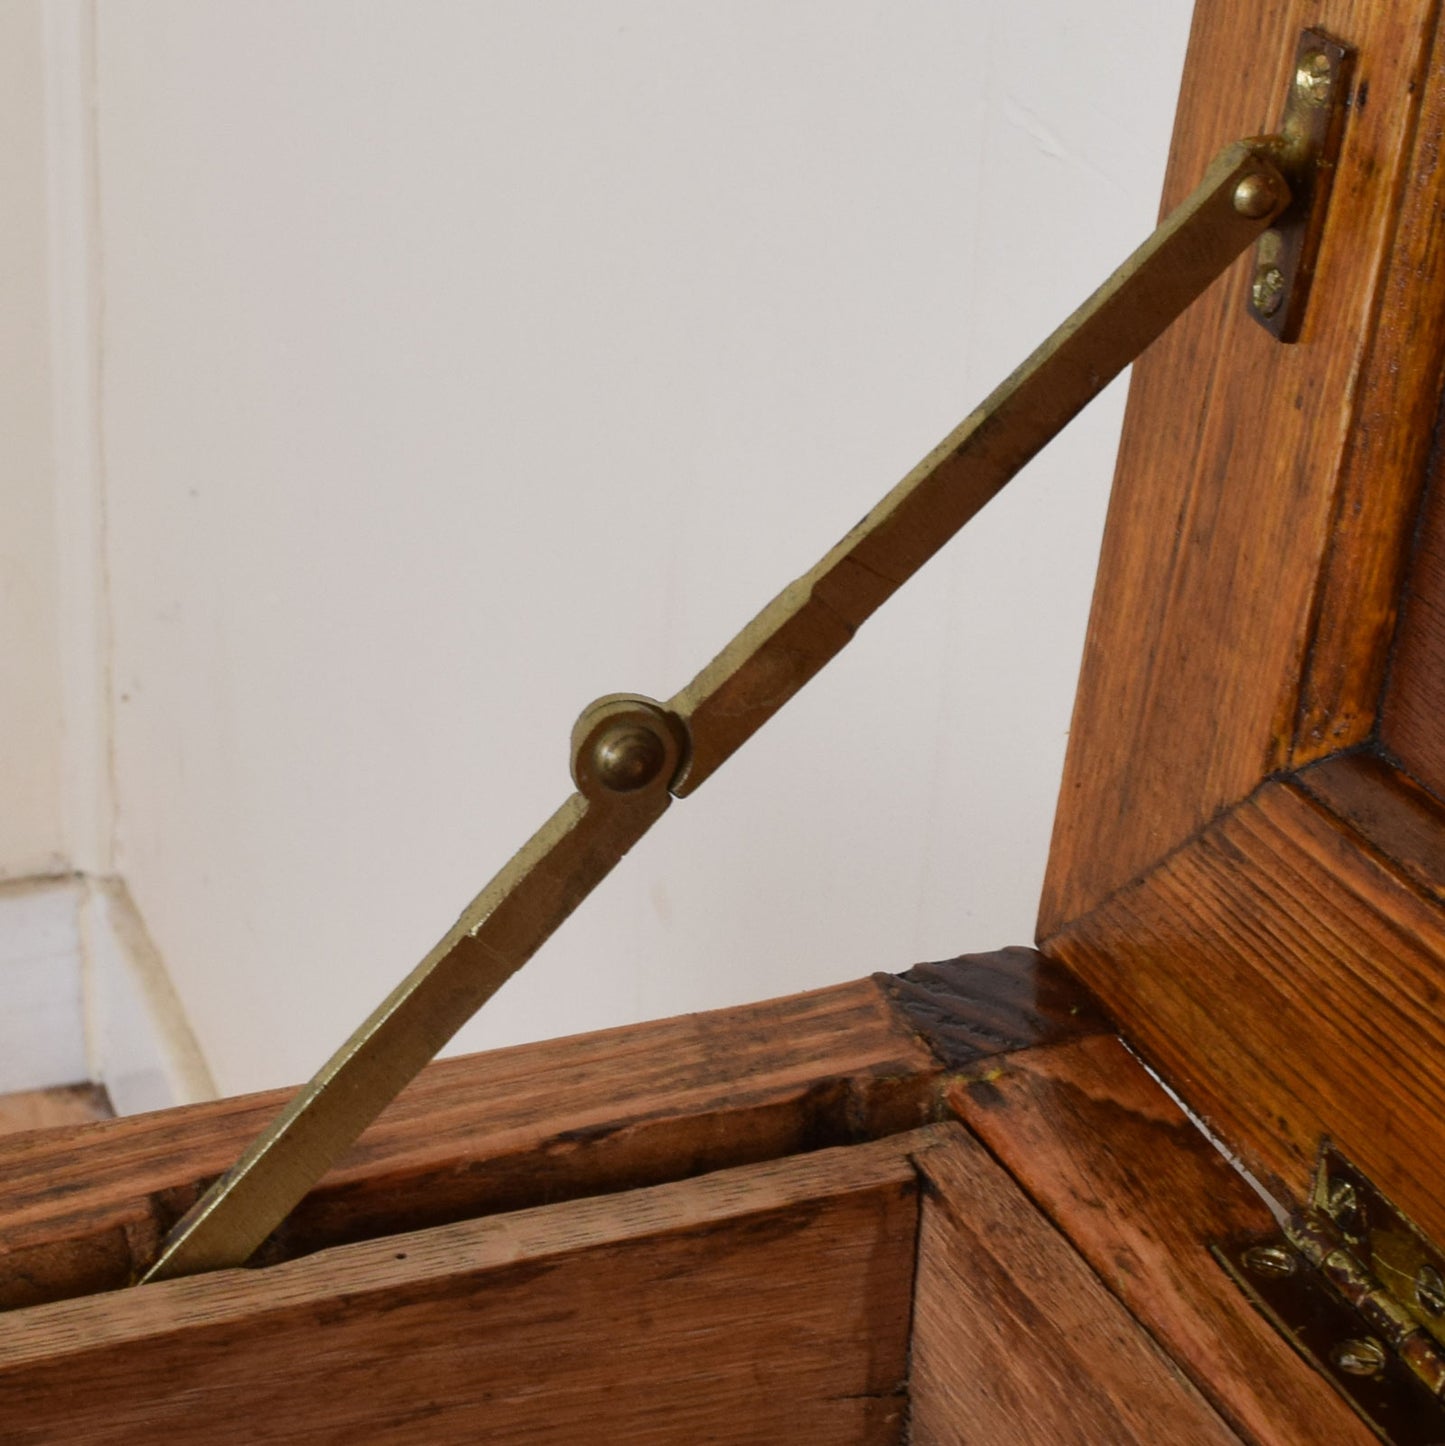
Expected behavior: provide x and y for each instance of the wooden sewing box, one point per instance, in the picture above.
(1173, 1174)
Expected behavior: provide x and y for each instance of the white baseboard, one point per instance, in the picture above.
(141, 1045)
(83, 995)
(42, 995)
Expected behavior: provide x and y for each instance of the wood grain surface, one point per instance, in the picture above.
(76, 1104)
(85, 1209)
(1141, 1194)
(1286, 977)
(1242, 871)
(1387, 452)
(1389, 812)
(1265, 493)
(1014, 1338)
(764, 1304)
(1412, 722)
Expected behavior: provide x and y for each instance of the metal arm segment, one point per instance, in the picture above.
(809, 621)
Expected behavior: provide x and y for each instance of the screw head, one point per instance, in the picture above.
(1363, 1357)
(1313, 77)
(1267, 290)
(1254, 196)
(1430, 1291)
(1347, 1210)
(1270, 1260)
(628, 757)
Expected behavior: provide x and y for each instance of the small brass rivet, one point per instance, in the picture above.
(1430, 1290)
(1273, 1260)
(1267, 292)
(628, 757)
(1312, 78)
(1254, 196)
(1365, 1357)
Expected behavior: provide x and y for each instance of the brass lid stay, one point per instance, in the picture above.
(631, 756)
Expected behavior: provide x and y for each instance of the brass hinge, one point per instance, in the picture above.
(1359, 1291)
(1312, 125)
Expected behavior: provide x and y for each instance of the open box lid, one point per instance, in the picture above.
(1249, 851)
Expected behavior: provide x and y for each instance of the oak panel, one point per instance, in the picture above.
(1412, 724)
(1387, 810)
(1141, 1194)
(1288, 980)
(1387, 456)
(84, 1209)
(1264, 493)
(1015, 1340)
(763, 1304)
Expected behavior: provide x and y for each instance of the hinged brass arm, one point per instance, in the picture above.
(631, 755)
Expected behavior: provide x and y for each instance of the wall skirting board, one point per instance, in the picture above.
(87, 998)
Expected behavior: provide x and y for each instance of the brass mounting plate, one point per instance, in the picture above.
(1318, 1323)
(1313, 126)
(1356, 1289)
(1407, 1265)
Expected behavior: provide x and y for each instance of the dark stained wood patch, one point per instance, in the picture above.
(978, 1005)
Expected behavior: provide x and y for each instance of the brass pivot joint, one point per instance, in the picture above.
(625, 744)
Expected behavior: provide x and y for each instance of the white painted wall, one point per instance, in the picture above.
(81, 997)
(462, 362)
(31, 717)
